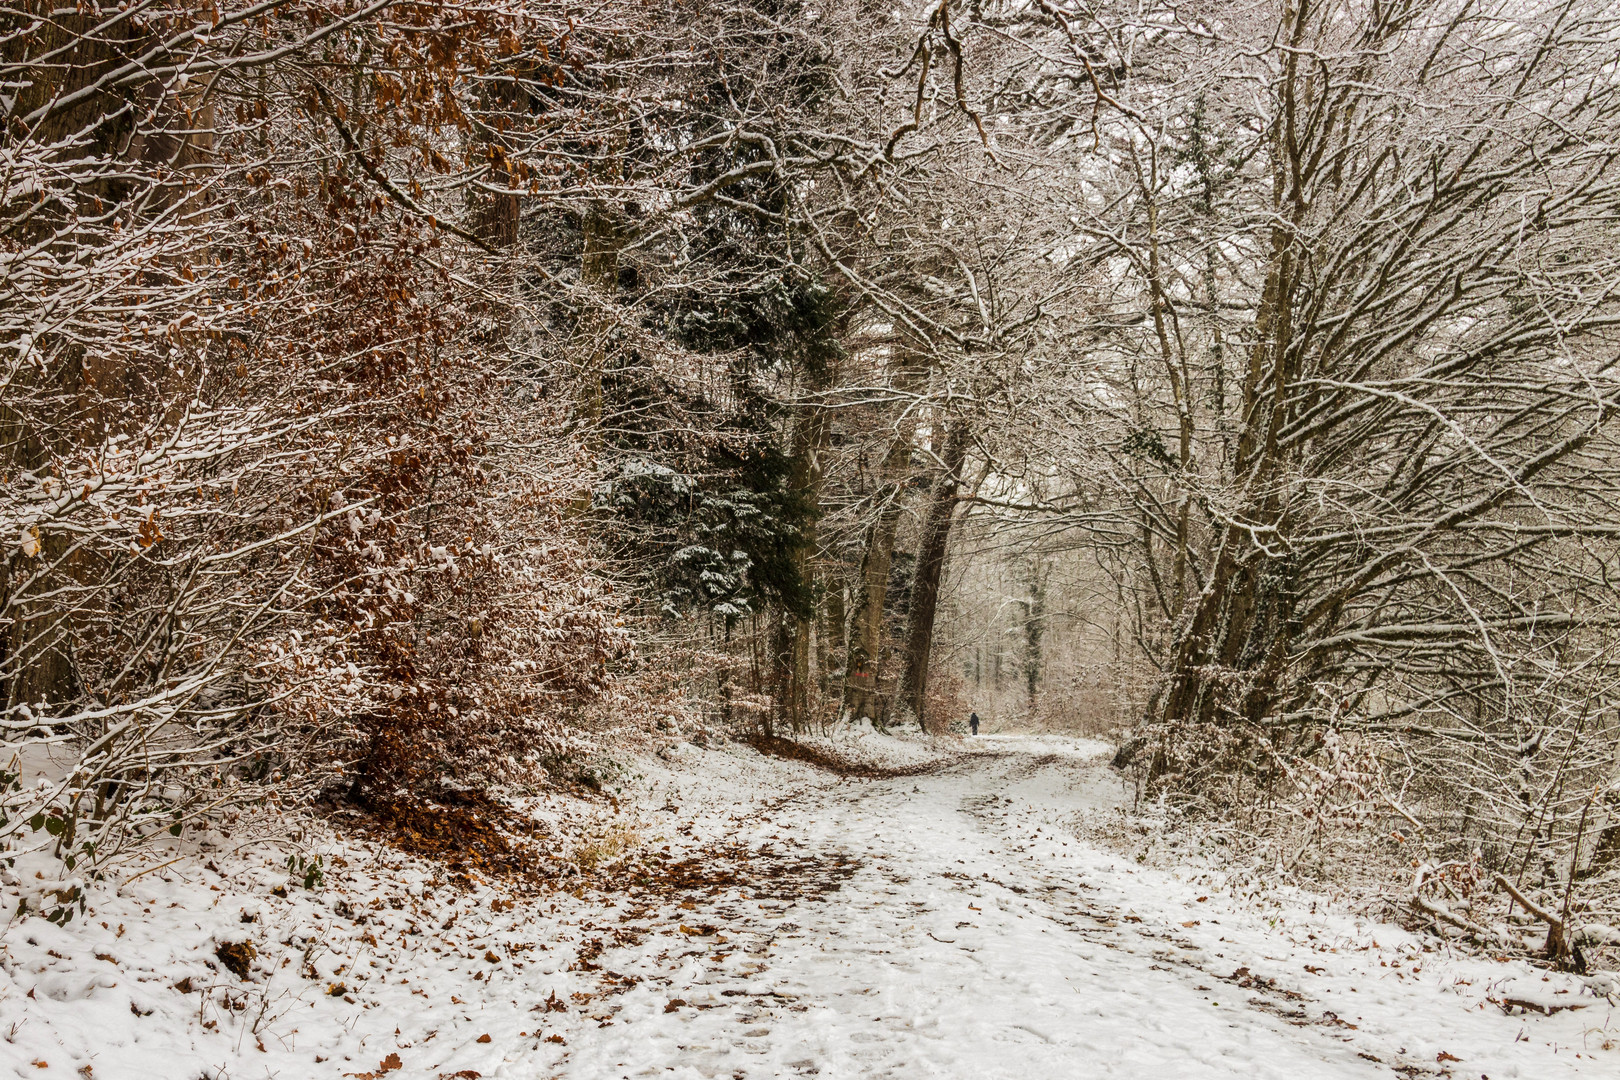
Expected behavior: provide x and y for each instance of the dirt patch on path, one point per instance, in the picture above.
(820, 758)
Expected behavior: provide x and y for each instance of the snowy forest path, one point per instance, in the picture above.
(951, 924)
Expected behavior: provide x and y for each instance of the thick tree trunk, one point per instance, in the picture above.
(792, 676)
(812, 428)
(861, 695)
(791, 647)
(936, 536)
(1228, 663)
(1228, 660)
(864, 659)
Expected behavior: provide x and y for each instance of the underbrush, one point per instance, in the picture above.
(1326, 814)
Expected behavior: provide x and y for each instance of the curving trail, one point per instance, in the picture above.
(979, 937)
(775, 922)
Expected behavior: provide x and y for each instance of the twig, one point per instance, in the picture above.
(1418, 902)
(1558, 947)
(1397, 807)
(151, 870)
(1445, 914)
(1529, 905)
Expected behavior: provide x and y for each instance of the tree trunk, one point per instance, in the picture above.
(812, 429)
(79, 399)
(792, 676)
(1228, 660)
(861, 696)
(1034, 628)
(936, 535)
(831, 637)
(864, 659)
(599, 272)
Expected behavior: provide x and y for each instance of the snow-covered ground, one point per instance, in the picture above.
(944, 924)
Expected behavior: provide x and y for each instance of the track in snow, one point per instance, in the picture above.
(977, 937)
(944, 924)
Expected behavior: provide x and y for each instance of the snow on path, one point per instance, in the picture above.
(944, 924)
(981, 939)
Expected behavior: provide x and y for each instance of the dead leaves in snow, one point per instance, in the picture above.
(386, 1065)
(706, 930)
(238, 957)
(468, 831)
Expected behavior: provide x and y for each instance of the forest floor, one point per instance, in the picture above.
(938, 916)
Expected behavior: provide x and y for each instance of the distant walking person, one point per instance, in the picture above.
(973, 722)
